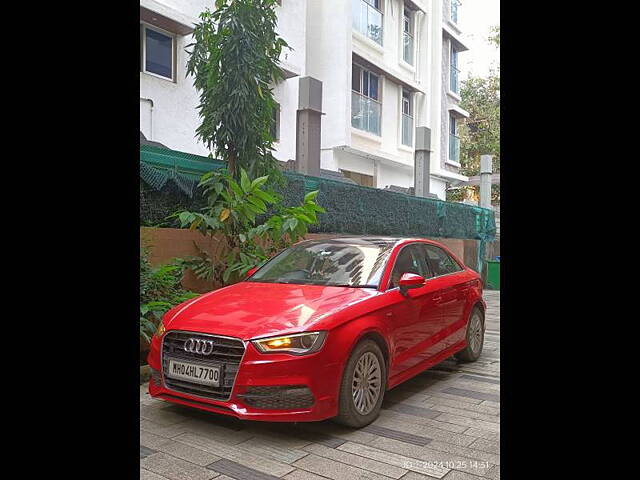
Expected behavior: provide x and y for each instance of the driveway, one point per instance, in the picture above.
(443, 423)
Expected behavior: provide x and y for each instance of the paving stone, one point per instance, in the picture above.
(337, 434)
(486, 446)
(434, 402)
(398, 435)
(303, 475)
(463, 392)
(238, 471)
(167, 431)
(469, 422)
(147, 475)
(428, 455)
(151, 440)
(267, 448)
(402, 461)
(477, 432)
(494, 473)
(458, 475)
(470, 452)
(443, 396)
(335, 470)
(356, 460)
(187, 452)
(412, 410)
(161, 416)
(216, 431)
(387, 416)
(421, 430)
(466, 413)
(145, 452)
(175, 468)
(237, 454)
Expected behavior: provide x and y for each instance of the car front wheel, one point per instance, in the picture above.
(363, 386)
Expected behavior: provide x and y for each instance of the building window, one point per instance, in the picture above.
(365, 100)
(455, 73)
(157, 52)
(407, 36)
(454, 10)
(407, 118)
(454, 140)
(275, 123)
(359, 178)
(367, 18)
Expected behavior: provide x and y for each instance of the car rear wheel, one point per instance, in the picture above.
(363, 385)
(475, 337)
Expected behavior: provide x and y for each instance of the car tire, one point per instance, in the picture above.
(365, 364)
(474, 337)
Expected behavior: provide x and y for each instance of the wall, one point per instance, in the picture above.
(167, 243)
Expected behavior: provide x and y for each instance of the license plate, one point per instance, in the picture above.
(195, 373)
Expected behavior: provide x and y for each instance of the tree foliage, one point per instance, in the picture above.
(234, 62)
(238, 212)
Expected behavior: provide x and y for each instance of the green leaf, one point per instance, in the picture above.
(310, 196)
(245, 183)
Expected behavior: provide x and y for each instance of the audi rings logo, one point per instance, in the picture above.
(195, 345)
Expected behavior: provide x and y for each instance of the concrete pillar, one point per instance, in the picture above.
(422, 162)
(308, 126)
(486, 169)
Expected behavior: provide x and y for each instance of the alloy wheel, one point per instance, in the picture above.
(475, 333)
(366, 384)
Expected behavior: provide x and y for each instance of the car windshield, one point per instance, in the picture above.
(329, 263)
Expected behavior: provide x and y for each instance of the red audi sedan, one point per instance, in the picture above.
(320, 331)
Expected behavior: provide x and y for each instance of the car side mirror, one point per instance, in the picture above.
(251, 272)
(408, 281)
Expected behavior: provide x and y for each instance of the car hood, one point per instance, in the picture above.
(250, 309)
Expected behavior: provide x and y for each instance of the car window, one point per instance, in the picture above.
(410, 260)
(440, 262)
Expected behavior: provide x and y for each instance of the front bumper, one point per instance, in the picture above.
(320, 372)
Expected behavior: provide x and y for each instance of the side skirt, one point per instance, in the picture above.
(424, 365)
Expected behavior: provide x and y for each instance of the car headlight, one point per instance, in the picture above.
(296, 344)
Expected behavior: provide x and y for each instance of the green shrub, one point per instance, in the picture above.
(160, 290)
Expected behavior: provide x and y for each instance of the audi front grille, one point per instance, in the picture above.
(227, 354)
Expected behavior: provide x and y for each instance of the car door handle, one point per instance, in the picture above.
(437, 299)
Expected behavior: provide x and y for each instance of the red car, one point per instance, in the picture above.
(321, 330)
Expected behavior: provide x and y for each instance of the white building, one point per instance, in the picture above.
(386, 67)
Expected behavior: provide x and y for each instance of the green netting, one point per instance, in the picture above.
(169, 179)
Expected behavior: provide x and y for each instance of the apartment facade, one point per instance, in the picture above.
(386, 67)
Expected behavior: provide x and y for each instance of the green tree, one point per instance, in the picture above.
(234, 62)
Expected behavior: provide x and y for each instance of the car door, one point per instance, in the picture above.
(413, 318)
(453, 293)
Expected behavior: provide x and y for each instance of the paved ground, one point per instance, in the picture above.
(444, 423)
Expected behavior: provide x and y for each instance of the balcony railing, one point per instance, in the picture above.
(455, 81)
(367, 20)
(365, 113)
(454, 10)
(454, 148)
(407, 130)
(407, 52)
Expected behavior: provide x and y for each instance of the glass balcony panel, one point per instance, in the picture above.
(454, 86)
(407, 54)
(365, 113)
(367, 20)
(454, 148)
(407, 130)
